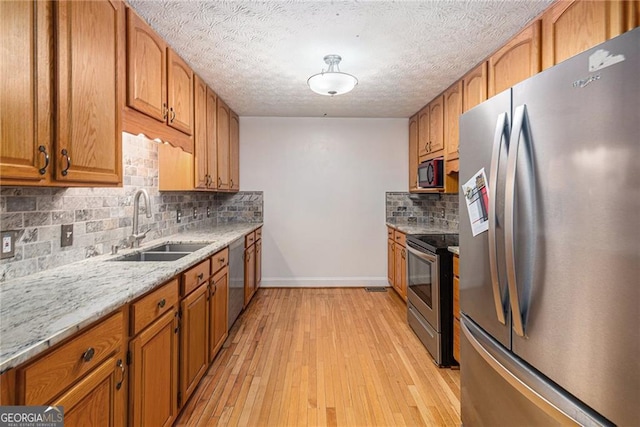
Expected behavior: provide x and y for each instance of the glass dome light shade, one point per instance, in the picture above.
(332, 83)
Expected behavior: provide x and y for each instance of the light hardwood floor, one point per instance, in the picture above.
(341, 356)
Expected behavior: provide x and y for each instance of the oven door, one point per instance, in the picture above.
(423, 285)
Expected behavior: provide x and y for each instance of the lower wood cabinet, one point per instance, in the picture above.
(397, 261)
(194, 336)
(249, 273)
(218, 311)
(258, 263)
(154, 373)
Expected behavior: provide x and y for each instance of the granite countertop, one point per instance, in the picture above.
(42, 309)
(420, 229)
(454, 249)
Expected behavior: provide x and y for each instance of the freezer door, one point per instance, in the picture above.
(500, 390)
(484, 139)
(576, 226)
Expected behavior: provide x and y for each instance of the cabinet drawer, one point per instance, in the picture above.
(258, 234)
(390, 233)
(400, 238)
(195, 276)
(153, 305)
(249, 239)
(456, 297)
(219, 260)
(48, 376)
(456, 265)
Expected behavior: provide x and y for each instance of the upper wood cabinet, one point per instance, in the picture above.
(234, 151)
(200, 142)
(436, 127)
(223, 142)
(212, 138)
(474, 87)
(516, 61)
(423, 134)
(571, 27)
(413, 153)
(159, 85)
(26, 145)
(88, 65)
(452, 112)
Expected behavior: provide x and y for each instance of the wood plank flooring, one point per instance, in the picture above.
(325, 357)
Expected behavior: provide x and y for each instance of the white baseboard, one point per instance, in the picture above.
(322, 282)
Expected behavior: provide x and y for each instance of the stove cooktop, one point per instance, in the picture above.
(432, 242)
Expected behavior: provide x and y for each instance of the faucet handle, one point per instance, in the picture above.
(144, 233)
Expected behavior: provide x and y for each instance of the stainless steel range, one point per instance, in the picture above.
(430, 293)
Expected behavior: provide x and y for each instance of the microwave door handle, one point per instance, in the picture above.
(521, 131)
(501, 136)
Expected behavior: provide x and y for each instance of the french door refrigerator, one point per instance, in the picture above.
(550, 293)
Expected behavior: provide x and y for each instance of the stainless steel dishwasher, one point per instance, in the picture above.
(236, 279)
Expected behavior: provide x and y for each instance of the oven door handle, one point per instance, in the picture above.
(423, 255)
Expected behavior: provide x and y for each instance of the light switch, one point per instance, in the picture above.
(8, 244)
(66, 235)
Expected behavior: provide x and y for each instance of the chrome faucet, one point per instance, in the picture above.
(136, 236)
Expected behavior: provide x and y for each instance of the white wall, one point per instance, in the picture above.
(324, 183)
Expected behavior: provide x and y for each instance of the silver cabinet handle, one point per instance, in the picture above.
(120, 365)
(42, 149)
(501, 134)
(65, 153)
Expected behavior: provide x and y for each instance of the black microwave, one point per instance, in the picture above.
(431, 173)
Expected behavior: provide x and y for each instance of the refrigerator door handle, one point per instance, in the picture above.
(501, 134)
(519, 129)
(554, 401)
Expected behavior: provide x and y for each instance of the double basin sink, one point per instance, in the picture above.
(163, 252)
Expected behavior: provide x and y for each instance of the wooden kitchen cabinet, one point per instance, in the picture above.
(452, 112)
(423, 134)
(234, 151)
(517, 60)
(474, 87)
(632, 14)
(194, 339)
(258, 263)
(200, 143)
(249, 269)
(436, 127)
(160, 87)
(399, 262)
(87, 374)
(223, 146)
(571, 27)
(456, 308)
(83, 102)
(218, 311)
(391, 260)
(413, 153)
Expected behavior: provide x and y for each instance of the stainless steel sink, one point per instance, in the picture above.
(165, 252)
(177, 247)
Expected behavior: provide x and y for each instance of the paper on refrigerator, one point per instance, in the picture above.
(476, 194)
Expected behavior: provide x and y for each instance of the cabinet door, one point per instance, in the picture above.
(398, 250)
(146, 69)
(90, 41)
(99, 399)
(234, 151)
(154, 373)
(423, 134)
(249, 273)
(194, 344)
(452, 112)
(474, 87)
(258, 263)
(179, 93)
(436, 127)
(391, 262)
(212, 137)
(218, 312)
(25, 91)
(413, 153)
(201, 161)
(632, 14)
(223, 145)
(571, 27)
(516, 61)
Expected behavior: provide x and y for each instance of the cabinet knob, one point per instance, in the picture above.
(88, 354)
(200, 276)
(65, 153)
(162, 303)
(42, 149)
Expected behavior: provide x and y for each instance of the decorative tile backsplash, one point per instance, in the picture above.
(439, 210)
(102, 217)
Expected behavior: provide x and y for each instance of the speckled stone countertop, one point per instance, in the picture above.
(454, 249)
(419, 228)
(42, 309)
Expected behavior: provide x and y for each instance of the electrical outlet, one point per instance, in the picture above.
(66, 235)
(195, 213)
(8, 244)
(208, 211)
(442, 213)
(179, 216)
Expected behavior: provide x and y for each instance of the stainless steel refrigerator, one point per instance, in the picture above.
(550, 294)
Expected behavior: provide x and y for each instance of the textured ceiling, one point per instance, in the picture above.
(258, 55)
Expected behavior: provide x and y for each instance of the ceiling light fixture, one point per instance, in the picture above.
(332, 82)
